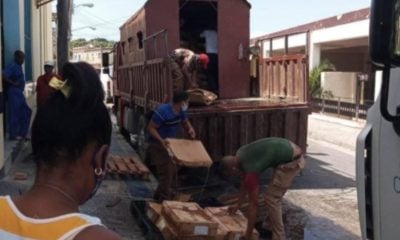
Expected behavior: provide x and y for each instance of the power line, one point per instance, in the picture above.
(103, 24)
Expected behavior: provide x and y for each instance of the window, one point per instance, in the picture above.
(123, 47)
(131, 44)
(140, 39)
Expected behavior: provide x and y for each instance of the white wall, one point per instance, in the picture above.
(342, 85)
(347, 31)
(42, 37)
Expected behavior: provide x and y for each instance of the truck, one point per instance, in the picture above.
(276, 106)
(377, 153)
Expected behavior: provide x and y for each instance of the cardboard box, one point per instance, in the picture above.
(234, 225)
(166, 229)
(153, 211)
(189, 219)
(169, 233)
(189, 153)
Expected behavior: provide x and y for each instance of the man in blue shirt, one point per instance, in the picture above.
(166, 123)
(19, 113)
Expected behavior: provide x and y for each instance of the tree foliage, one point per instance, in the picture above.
(96, 43)
(314, 80)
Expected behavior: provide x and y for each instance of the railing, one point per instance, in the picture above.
(342, 107)
(284, 77)
(146, 84)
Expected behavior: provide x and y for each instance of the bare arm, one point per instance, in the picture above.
(190, 76)
(189, 128)
(252, 213)
(152, 129)
(242, 196)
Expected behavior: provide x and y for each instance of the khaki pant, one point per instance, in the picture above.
(281, 180)
(166, 171)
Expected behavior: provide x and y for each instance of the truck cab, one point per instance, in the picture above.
(378, 151)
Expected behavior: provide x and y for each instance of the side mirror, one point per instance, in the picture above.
(385, 32)
(105, 63)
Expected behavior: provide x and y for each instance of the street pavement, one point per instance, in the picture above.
(323, 199)
(321, 204)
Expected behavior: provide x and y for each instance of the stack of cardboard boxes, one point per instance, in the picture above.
(184, 221)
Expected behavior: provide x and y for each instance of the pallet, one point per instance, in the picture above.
(127, 165)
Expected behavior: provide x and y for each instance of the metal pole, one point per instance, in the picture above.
(338, 107)
(63, 22)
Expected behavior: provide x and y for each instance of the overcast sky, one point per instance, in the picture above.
(267, 16)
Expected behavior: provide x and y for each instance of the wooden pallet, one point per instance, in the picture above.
(127, 165)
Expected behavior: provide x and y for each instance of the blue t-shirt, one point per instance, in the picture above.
(168, 121)
(15, 73)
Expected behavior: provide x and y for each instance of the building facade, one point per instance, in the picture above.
(343, 41)
(26, 26)
(89, 54)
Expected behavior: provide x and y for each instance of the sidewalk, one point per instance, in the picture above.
(339, 132)
(12, 149)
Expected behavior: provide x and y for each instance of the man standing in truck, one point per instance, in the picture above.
(184, 65)
(250, 162)
(211, 45)
(165, 123)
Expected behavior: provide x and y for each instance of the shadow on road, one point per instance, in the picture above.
(319, 174)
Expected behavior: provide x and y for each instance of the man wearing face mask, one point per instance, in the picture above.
(165, 123)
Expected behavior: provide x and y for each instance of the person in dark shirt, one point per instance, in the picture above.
(253, 159)
(19, 113)
(43, 89)
(165, 123)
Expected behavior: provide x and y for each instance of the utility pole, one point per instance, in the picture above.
(64, 8)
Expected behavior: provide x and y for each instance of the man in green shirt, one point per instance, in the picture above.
(253, 159)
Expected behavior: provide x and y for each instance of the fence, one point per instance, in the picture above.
(341, 107)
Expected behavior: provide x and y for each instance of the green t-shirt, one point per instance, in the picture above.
(264, 153)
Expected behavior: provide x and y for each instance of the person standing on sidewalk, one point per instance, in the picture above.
(71, 135)
(165, 123)
(19, 113)
(43, 89)
(253, 159)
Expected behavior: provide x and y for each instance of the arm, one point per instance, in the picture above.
(242, 196)
(190, 76)
(189, 128)
(10, 81)
(252, 213)
(249, 186)
(152, 129)
(7, 76)
(194, 79)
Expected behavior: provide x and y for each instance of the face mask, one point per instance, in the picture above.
(98, 179)
(185, 107)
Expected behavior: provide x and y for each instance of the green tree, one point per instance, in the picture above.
(80, 42)
(101, 43)
(314, 80)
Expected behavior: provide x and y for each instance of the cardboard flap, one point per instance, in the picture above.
(189, 153)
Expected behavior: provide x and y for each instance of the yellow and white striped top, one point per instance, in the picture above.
(16, 226)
